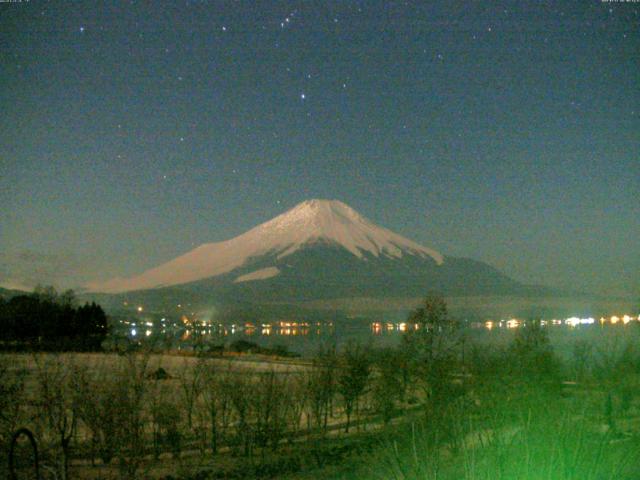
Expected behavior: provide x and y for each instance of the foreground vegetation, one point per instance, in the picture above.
(435, 407)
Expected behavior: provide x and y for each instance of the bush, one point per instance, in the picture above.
(243, 346)
(532, 355)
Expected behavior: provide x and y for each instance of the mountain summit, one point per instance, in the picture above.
(324, 223)
(335, 222)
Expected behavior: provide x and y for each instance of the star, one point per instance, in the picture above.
(303, 96)
(81, 29)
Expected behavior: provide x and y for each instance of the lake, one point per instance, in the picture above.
(305, 338)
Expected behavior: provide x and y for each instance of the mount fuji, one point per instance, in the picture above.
(319, 249)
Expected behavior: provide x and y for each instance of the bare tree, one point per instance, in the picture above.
(218, 402)
(238, 389)
(129, 413)
(56, 405)
(270, 409)
(353, 378)
(433, 349)
(165, 417)
(321, 387)
(297, 399)
(387, 382)
(191, 379)
(95, 395)
(435, 357)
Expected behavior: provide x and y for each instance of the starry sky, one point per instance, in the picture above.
(508, 131)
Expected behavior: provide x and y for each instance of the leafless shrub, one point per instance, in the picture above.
(296, 395)
(270, 409)
(56, 407)
(321, 387)
(217, 401)
(238, 390)
(129, 413)
(165, 419)
(190, 378)
(355, 368)
(95, 395)
(387, 383)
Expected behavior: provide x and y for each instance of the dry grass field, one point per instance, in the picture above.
(515, 409)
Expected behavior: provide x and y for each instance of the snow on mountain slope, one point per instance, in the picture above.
(261, 274)
(307, 222)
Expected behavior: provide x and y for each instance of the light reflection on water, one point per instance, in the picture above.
(304, 337)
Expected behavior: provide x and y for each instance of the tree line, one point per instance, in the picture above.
(47, 320)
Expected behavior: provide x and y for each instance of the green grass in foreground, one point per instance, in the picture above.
(531, 434)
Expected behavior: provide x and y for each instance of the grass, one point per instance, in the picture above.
(532, 436)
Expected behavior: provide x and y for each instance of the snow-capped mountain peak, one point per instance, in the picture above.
(336, 222)
(316, 211)
(329, 221)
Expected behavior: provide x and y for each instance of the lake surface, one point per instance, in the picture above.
(305, 338)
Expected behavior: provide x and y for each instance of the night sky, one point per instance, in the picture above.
(509, 132)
